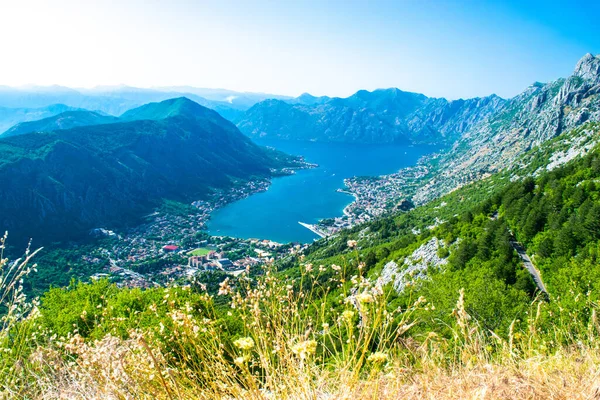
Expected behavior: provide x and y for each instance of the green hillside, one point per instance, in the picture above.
(65, 120)
(63, 183)
(466, 304)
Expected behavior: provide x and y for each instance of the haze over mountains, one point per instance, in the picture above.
(381, 116)
(36, 102)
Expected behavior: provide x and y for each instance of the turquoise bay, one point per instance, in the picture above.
(309, 195)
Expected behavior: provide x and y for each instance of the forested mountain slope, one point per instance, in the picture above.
(62, 183)
(439, 288)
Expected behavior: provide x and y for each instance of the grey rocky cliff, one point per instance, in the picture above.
(414, 266)
(540, 113)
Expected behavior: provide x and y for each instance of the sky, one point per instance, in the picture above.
(452, 49)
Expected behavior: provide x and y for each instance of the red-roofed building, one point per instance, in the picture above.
(170, 248)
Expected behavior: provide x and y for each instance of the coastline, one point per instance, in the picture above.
(354, 195)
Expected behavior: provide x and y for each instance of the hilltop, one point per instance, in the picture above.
(68, 181)
(64, 120)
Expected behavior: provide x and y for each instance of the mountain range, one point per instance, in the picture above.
(179, 148)
(35, 102)
(64, 182)
(380, 116)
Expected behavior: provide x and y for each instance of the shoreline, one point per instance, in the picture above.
(354, 195)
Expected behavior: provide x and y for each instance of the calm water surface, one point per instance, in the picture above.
(309, 195)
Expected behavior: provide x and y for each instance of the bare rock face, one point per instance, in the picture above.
(540, 113)
(414, 266)
(588, 68)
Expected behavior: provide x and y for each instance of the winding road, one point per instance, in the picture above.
(527, 263)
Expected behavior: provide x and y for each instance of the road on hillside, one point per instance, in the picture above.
(527, 263)
(535, 274)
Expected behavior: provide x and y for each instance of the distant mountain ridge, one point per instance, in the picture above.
(380, 116)
(65, 120)
(10, 116)
(65, 182)
(115, 100)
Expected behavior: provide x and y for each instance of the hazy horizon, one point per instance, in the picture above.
(443, 49)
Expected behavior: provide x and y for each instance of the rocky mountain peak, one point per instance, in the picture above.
(588, 68)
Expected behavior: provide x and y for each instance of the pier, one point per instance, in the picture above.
(314, 229)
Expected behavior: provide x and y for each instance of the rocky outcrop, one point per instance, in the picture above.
(414, 266)
(588, 68)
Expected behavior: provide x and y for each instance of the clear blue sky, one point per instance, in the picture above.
(440, 48)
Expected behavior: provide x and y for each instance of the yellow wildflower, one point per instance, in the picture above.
(305, 348)
(245, 343)
(364, 297)
(378, 357)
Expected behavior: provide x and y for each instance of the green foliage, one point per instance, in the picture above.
(96, 309)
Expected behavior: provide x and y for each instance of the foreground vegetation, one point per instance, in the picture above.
(272, 341)
(472, 325)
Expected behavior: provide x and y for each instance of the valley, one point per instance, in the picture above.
(307, 193)
(181, 242)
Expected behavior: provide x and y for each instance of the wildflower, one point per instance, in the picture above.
(351, 243)
(364, 297)
(308, 267)
(378, 357)
(335, 267)
(304, 349)
(348, 315)
(240, 361)
(245, 343)
(224, 287)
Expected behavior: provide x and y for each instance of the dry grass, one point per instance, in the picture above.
(298, 347)
(561, 376)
